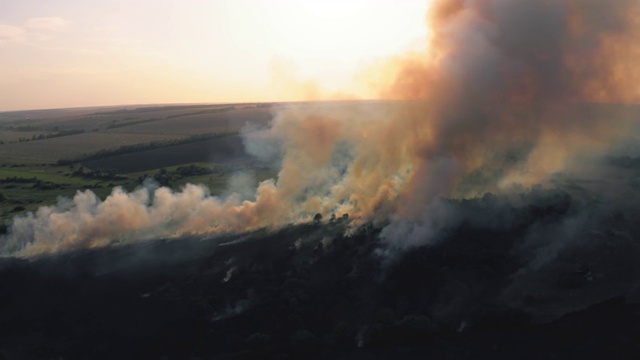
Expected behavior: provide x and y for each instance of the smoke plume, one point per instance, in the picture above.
(502, 95)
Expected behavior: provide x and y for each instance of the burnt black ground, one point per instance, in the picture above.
(309, 291)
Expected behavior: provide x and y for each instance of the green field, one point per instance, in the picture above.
(48, 154)
(24, 189)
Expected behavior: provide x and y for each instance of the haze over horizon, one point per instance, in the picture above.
(75, 54)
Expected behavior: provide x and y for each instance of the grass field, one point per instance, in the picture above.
(30, 175)
(227, 121)
(49, 151)
(98, 131)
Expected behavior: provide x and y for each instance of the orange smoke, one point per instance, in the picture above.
(498, 78)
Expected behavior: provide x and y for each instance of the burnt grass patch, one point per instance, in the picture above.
(310, 291)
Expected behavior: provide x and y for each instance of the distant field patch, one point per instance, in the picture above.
(49, 151)
(44, 175)
(192, 124)
(216, 150)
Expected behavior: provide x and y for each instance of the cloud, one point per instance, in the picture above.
(40, 28)
(52, 23)
(9, 33)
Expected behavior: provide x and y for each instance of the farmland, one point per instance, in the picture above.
(47, 154)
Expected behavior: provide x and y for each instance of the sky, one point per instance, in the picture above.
(71, 53)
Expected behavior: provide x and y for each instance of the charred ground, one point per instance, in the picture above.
(309, 291)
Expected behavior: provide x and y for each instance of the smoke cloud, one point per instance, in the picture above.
(505, 94)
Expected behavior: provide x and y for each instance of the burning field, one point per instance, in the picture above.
(487, 209)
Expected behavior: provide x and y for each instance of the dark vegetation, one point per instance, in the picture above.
(207, 111)
(144, 109)
(626, 162)
(629, 163)
(117, 124)
(14, 199)
(109, 174)
(166, 177)
(145, 157)
(127, 149)
(49, 135)
(309, 291)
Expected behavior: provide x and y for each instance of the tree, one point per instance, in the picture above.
(317, 218)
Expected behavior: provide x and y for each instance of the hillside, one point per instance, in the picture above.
(309, 291)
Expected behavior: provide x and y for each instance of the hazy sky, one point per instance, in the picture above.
(80, 53)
